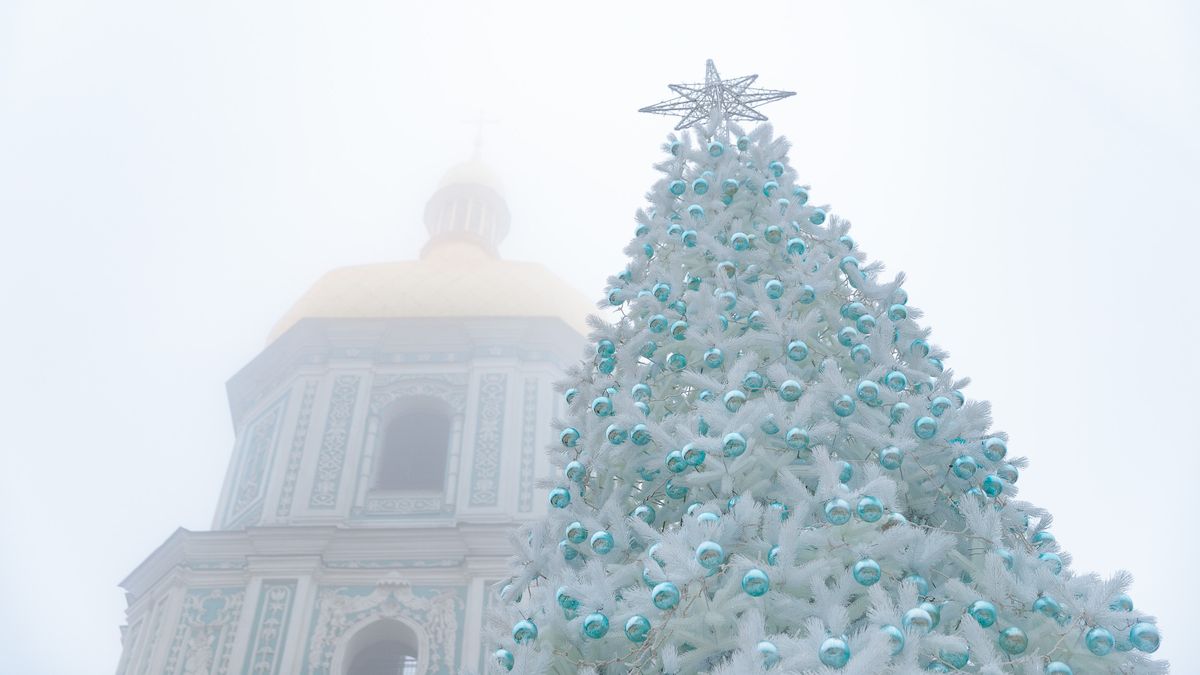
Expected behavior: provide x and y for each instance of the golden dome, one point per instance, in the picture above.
(459, 273)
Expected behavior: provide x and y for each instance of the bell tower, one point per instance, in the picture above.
(388, 439)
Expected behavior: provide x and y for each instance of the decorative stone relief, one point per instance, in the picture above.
(296, 453)
(204, 638)
(449, 387)
(391, 564)
(254, 461)
(528, 439)
(438, 613)
(489, 439)
(332, 458)
(269, 630)
(404, 504)
(156, 619)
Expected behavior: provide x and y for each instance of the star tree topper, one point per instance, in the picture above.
(733, 99)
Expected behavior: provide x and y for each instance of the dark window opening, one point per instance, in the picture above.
(416, 439)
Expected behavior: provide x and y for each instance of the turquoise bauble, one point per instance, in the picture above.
(616, 435)
(918, 581)
(860, 354)
(769, 188)
(734, 444)
(776, 168)
(835, 653)
(675, 462)
(743, 142)
(868, 392)
(896, 381)
(606, 365)
(700, 186)
(575, 472)
(673, 230)
(713, 358)
(936, 363)
(755, 583)
(710, 555)
(559, 498)
(695, 211)
(602, 406)
(1012, 640)
(595, 625)
(797, 438)
(753, 381)
(675, 491)
(679, 330)
(795, 246)
(837, 511)
(1047, 606)
(797, 350)
(853, 310)
(565, 599)
(1122, 603)
(716, 149)
(937, 667)
(801, 195)
(665, 595)
(1042, 538)
(768, 426)
(843, 406)
(845, 472)
(689, 238)
(773, 234)
(847, 241)
(869, 509)
(676, 361)
(650, 347)
(939, 406)
(640, 392)
(817, 217)
(848, 264)
(954, 658)
(569, 437)
(790, 390)
(769, 653)
(897, 312)
(708, 517)
(919, 348)
(677, 187)
(657, 323)
(867, 572)
(865, 324)
(891, 457)
(807, 296)
(524, 631)
(934, 612)
(847, 336)
(774, 289)
(605, 347)
(734, 400)
(895, 638)
(693, 455)
(1058, 668)
(504, 658)
(740, 241)
(995, 449)
(1099, 641)
(965, 466)
(729, 298)
(1144, 637)
(917, 619)
(601, 542)
(899, 410)
(640, 434)
(1008, 472)
(568, 551)
(643, 407)
(773, 556)
(1006, 557)
(984, 612)
(729, 186)
(992, 485)
(576, 533)
(925, 427)
(645, 513)
(637, 628)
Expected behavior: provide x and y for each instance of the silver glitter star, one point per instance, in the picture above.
(733, 99)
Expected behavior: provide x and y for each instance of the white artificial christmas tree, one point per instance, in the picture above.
(766, 466)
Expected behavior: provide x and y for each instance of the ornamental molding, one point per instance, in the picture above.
(269, 632)
(489, 439)
(295, 456)
(204, 637)
(448, 387)
(331, 460)
(254, 458)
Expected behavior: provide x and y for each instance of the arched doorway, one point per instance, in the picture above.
(385, 647)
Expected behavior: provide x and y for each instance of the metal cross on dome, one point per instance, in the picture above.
(734, 99)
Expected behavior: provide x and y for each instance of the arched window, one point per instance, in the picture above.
(413, 447)
(383, 648)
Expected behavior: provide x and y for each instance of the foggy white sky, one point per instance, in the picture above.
(174, 175)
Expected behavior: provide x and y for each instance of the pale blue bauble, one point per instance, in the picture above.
(891, 457)
(920, 582)
(716, 149)
(917, 619)
(1144, 637)
(1121, 603)
(675, 462)
(995, 449)
(837, 511)
(665, 595)
(616, 435)
(676, 361)
(797, 438)
(645, 513)
(774, 289)
(637, 628)
(769, 654)
(693, 455)
(964, 466)
(797, 350)
(602, 406)
(801, 195)
(834, 652)
(1058, 668)
(899, 410)
(869, 509)
(955, 658)
(897, 312)
(524, 631)
(939, 405)
(868, 392)
(710, 555)
(700, 186)
(1013, 641)
(769, 188)
(1099, 641)
(677, 187)
(560, 498)
(925, 427)
(595, 625)
(807, 295)
(896, 381)
(679, 330)
(753, 381)
(895, 638)
(984, 612)
(773, 555)
(689, 238)
(576, 533)
(790, 390)
(847, 336)
(601, 542)
(575, 471)
(817, 217)
(755, 583)
(845, 472)
(795, 246)
(734, 400)
(1047, 606)
(565, 599)
(675, 491)
(640, 434)
(860, 354)
(776, 168)
(734, 444)
(569, 437)
(1008, 472)
(992, 485)
(740, 241)
(867, 572)
(843, 406)
(865, 324)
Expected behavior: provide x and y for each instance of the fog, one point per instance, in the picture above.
(173, 176)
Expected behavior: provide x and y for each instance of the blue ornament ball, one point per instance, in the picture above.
(1122, 603)
(769, 653)
(895, 638)
(797, 350)
(665, 595)
(576, 533)
(807, 296)
(734, 400)
(565, 599)
(843, 406)
(1013, 641)
(1058, 668)
(595, 625)
(734, 444)
(925, 427)
(965, 466)
(637, 628)
(602, 542)
(868, 392)
(899, 410)
(645, 513)
(891, 457)
(1099, 641)
(939, 405)
(869, 509)
(560, 498)
(955, 658)
(896, 381)
(834, 652)
(920, 582)
(917, 619)
(995, 449)
(867, 572)
(797, 438)
(755, 583)
(710, 555)
(524, 631)
(837, 511)
(984, 612)
(716, 149)
(569, 437)
(504, 658)
(1144, 636)
(817, 217)
(790, 390)
(845, 472)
